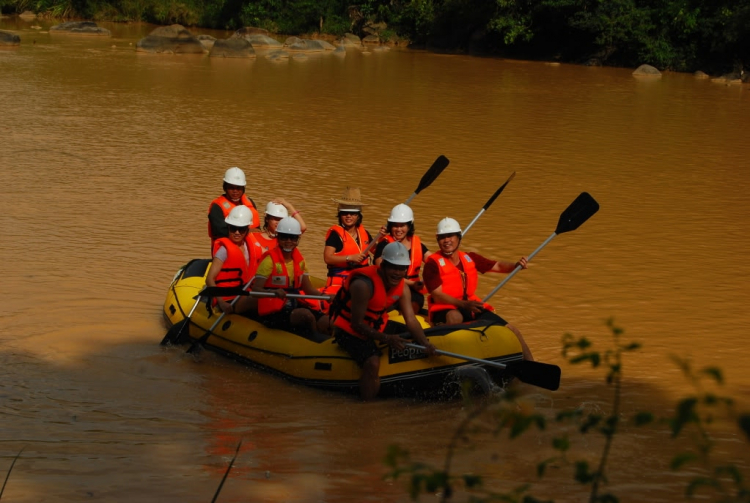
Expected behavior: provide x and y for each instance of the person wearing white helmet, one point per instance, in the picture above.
(347, 242)
(275, 211)
(234, 260)
(451, 277)
(283, 270)
(400, 228)
(234, 195)
(359, 314)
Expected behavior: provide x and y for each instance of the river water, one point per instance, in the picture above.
(109, 158)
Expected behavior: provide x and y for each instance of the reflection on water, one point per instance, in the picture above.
(108, 161)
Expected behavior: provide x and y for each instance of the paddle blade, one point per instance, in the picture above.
(437, 167)
(578, 212)
(498, 191)
(174, 334)
(539, 374)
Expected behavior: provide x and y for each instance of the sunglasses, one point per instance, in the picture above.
(287, 237)
(241, 230)
(346, 213)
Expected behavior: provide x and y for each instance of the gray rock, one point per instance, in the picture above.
(256, 39)
(9, 39)
(27, 15)
(303, 45)
(85, 27)
(174, 39)
(277, 56)
(232, 48)
(646, 71)
(700, 75)
(371, 39)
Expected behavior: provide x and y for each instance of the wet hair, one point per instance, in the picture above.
(409, 233)
(341, 223)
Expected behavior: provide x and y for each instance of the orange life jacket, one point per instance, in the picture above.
(453, 282)
(416, 258)
(280, 279)
(337, 275)
(256, 251)
(235, 271)
(226, 206)
(376, 314)
(264, 242)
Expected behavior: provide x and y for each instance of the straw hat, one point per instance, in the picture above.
(350, 200)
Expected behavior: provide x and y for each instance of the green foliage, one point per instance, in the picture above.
(692, 415)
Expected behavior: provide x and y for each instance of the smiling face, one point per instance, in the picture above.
(448, 243)
(287, 242)
(392, 274)
(237, 234)
(399, 230)
(234, 192)
(271, 223)
(348, 218)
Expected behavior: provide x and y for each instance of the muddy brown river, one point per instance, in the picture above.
(109, 159)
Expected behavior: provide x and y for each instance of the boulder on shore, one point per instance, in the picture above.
(207, 40)
(232, 48)
(646, 71)
(9, 39)
(27, 15)
(174, 39)
(255, 38)
(82, 27)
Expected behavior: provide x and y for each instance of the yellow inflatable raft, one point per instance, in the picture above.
(318, 361)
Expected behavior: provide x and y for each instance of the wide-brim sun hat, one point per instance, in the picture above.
(351, 200)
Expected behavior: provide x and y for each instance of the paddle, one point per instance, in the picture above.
(543, 375)
(488, 203)
(173, 334)
(437, 167)
(224, 291)
(574, 215)
(195, 345)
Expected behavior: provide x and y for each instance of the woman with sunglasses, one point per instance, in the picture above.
(400, 228)
(346, 242)
(234, 261)
(275, 211)
(234, 195)
(283, 270)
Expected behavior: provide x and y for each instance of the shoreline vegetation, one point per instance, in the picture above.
(712, 36)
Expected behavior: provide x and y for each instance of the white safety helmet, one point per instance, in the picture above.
(395, 253)
(448, 226)
(235, 176)
(401, 214)
(276, 210)
(288, 225)
(240, 216)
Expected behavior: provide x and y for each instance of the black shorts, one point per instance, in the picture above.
(438, 317)
(417, 298)
(359, 349)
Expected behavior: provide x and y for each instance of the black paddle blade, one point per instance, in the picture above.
(498, 191)
(437, 167)
(223, 291)
(539, 374)
(578, 212)
(174, 333)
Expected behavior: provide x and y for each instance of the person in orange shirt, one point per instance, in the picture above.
(451, 277)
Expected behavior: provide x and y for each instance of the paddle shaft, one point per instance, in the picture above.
(488, 204)
(168, 337)
(518, 268)
(461, 357)
(221, 317)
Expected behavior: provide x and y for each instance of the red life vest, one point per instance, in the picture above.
(226, 206)
(415, 254)
(452, 281)
(280, 279)
(264, 242)
(337, 275)
(376, 314)
(235, 270)
(256, 252)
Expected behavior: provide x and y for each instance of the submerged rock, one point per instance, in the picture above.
(85, 27)
(646, 71)
(174, 39)
(27, 15)
(207, 40)
(700, 75)
(257, 39)
(232, 48)
(9, 39)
